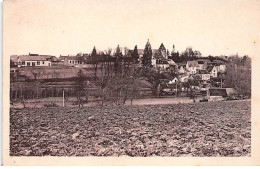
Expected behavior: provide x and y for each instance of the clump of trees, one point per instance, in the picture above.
(238, 74)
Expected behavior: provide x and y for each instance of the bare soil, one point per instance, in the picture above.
(197, 129)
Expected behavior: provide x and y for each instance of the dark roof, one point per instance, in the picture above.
(203, 71)
(209, 68)
(219, 61)
(62, 57)
(196, 77)
(183, 63)
(162, 47)
(218, 92)
(200, 62)
(74, 58)
(213, 63)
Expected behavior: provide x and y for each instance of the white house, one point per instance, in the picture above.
(222, 68)
(191, 66)
(174, 80)
(213, 71)
(201, 64)
(161, 64)
(34, 60)
(204, 75)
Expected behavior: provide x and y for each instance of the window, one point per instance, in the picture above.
(43, 62)
(28, 63)
(33, 63)
(23, 62)
(38, 62)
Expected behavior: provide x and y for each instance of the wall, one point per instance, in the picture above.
(41, 63)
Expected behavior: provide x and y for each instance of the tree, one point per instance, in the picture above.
(175, 57)
(118, 54)
(94, 52)
(95, 60)
(79, 86)
(238, 76)
(120, 88)
(147, 55)
(135, 55)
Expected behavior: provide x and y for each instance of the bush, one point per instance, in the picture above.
(51, 104)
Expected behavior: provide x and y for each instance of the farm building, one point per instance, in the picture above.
(32, 60)
(218, 94)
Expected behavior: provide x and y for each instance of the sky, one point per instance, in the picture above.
(67, 27)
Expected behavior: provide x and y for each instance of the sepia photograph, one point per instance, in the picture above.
(152, 80)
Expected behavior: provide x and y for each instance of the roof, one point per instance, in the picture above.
(209, 68)
(171, 62)
(222, 91)
(33, 58)
(162, 47)
(231, 91)
(200, 62)
(219, 61)
(62, 57)
(74, 58)
(140, 51)
(192, 63)
(14, 58)
(196, 77)
(203, 71)
(184, 63)
(53, 58)
(213, 63)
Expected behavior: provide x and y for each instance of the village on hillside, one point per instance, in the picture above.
(116, 76)
(130, 102)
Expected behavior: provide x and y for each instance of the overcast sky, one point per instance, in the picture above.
(214, 27)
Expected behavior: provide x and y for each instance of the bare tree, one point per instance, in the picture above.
(79, 86)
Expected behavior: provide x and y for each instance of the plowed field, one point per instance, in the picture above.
(198, 129)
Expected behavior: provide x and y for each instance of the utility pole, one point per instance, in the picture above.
(176, 90)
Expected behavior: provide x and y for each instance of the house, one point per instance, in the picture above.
(204, 75)
(201, 64)
(213, 71)
(181, 69)
(219, 94)
(220, 65)
(172, 65)
(159, 56)
(34, 60)
(184, 78)
(14, 60)
(74, 60)
(191, 67)
(174, 80)
(161, 64)
(222, 68)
